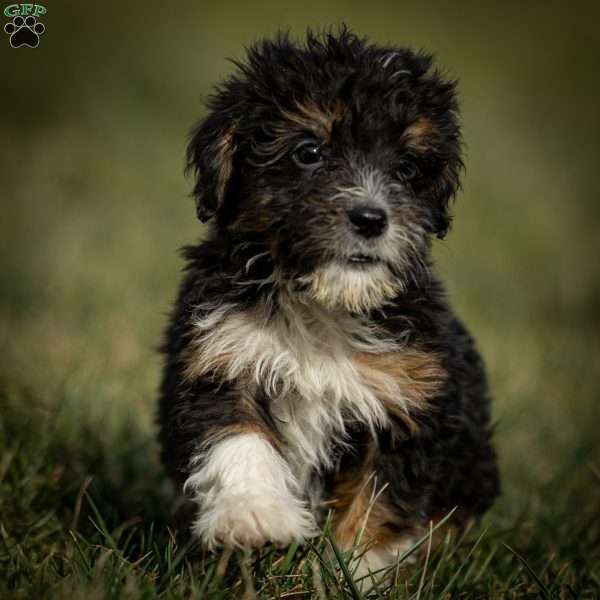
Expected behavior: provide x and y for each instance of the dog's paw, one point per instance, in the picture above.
(247, 496)
(252, 520)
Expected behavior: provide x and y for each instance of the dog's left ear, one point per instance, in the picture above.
(444, 192)
(210, 156)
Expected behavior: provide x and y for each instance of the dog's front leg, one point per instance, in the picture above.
(246, 493)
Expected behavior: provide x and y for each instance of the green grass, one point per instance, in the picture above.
(94, 206)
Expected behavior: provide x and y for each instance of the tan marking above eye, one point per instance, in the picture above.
(419, 135)
(315, 118)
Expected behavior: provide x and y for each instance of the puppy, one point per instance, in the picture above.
(312, 363)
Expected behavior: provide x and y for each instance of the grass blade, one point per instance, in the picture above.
(344, 567)
(544, 592)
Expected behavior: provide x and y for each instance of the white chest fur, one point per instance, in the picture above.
(303, 358)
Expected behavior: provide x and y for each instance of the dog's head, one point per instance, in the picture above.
(337, 159)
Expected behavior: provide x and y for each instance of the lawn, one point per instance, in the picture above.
(95, 206)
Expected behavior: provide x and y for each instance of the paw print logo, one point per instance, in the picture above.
(24, 31)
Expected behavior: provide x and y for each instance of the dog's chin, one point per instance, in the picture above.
(357, 284)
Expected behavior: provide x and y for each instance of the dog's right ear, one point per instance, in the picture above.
(210, 157)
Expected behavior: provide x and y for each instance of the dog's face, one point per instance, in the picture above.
(337, 160)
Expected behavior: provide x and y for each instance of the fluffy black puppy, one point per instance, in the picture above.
(312, 361)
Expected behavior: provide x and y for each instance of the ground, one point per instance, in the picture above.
(94, 207)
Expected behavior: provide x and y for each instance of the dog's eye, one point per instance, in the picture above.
(407, 169)
(308, 155)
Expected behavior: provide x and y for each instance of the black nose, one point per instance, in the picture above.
(368, 222)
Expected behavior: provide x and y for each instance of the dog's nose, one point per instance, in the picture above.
(368, 222)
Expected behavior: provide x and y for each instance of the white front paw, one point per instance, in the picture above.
(252, 520)
(247, 496)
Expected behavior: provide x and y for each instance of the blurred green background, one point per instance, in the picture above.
(94, 206)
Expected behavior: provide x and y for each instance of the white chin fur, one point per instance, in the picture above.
(357, 289)
(247, 496)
